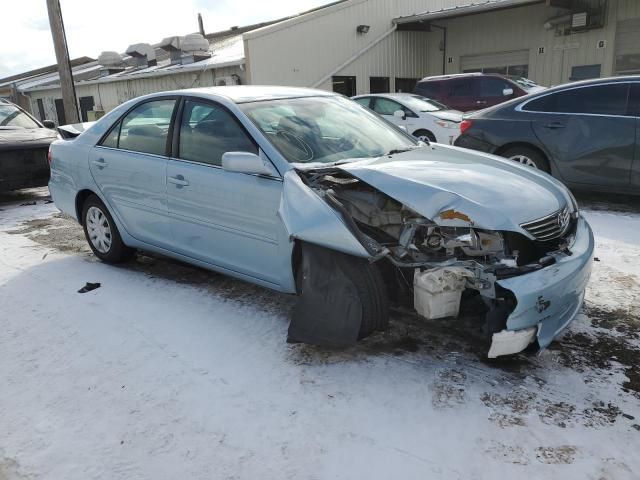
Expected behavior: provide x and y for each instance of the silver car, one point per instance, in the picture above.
(307, 192)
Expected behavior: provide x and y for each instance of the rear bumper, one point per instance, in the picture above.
(549, 299)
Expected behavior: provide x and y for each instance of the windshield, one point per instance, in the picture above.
(422, 104)
(325, 129)
(12, 117)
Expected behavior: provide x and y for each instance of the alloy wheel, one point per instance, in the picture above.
(523, 159)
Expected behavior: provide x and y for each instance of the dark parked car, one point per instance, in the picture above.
(473, 91)
(24, 143)
(585, 133)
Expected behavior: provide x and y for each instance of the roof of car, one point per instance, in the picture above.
(254, 93)
(399, 95)
(457, 75)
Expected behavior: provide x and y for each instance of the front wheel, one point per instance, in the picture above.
(102, 234)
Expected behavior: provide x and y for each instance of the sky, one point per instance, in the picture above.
(96, 25)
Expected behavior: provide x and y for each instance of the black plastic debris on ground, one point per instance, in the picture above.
(88, 287)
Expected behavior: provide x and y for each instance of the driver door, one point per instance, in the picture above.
(387, 107)
(223, 218)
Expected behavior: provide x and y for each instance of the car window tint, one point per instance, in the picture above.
(111, 140)
(634, 100)
(207, 131)
(598, 99)
(460, 88)
(493, 87)
(364, 101)
(428, 89)
(146, 127)
(384, 106)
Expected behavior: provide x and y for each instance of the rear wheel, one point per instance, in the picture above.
(102, 234)
(425, 136)
(527, 156)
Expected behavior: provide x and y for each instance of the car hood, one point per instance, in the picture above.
(450, 115)
(19, 138)
(457, 187)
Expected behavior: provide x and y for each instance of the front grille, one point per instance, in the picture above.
(549, 227)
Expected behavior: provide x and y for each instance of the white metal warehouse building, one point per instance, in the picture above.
(364, 46)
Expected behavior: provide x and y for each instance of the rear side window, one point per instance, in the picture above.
(598, 99)
(207, 131)
(634, 100)
(144, 129)
(460, 88)
(428, 89)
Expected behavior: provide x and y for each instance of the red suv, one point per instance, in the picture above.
(472, 91)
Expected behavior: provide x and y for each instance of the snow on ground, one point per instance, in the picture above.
(167, 371)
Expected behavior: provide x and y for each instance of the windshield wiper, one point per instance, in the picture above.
(400, 150)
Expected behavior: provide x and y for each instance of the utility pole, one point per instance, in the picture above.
(200, 25)
(64, 66)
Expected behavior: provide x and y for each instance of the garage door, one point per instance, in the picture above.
(507, 63)
(627, 48)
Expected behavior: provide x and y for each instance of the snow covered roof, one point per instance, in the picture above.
(225, 51)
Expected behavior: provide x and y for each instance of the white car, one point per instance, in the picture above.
(425, 119)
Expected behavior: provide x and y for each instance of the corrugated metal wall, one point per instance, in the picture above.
(304, 50)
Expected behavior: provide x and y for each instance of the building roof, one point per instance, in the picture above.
(462, 10)
(42, 71)
(225, 51)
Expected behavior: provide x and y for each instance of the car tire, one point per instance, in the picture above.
(425, 135)
(369, 285)
(527, 156)
(102, 234)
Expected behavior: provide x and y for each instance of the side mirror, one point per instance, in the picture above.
(247, 162)
(507, 92)
(48, 124)
(400, 114)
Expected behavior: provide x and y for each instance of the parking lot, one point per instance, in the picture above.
(169, 371)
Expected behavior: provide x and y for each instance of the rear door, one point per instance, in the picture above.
(587, 132)
(129, 166)
(462, 94)
(224, 218)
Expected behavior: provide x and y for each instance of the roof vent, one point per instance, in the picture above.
(111, 62)
(194, 48)
(143, 54)
(171, 45)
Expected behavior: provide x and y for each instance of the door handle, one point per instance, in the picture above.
(481, 102)
(554, 125)
(178, 180)
(100, 163)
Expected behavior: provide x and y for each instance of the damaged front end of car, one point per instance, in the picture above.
(531, 278)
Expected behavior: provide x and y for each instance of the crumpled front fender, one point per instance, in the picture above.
(308, 217)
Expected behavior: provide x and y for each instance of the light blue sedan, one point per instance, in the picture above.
(307, 192)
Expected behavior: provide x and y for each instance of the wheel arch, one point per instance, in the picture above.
(81, 197)
(426, 132)
(520, 143)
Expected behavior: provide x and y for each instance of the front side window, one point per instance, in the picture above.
(325, 129)
(384, 106)
(365, 102)
(144, 129)
(598, 99)
(207, 131)
(12, 117)
(493, 87)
